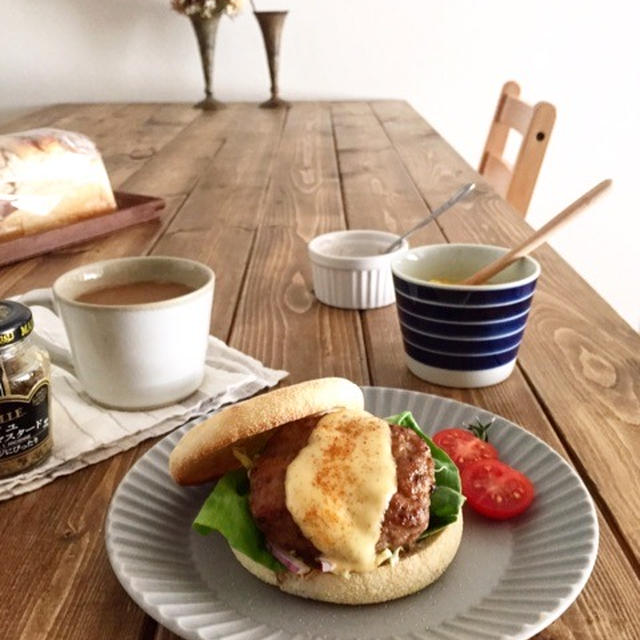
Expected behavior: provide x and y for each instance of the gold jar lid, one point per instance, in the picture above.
(16, 322)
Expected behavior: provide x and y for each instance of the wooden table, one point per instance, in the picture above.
(246, 190)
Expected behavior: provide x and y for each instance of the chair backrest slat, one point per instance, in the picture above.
(516, 114)
(529, 160)
(535, 124)
(498, 173)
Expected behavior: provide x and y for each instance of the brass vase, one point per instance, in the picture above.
(271, 23)
(206, 30)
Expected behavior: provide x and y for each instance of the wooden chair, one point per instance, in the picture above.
(516, 183)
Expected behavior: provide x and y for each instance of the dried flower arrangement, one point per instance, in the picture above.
(206, 8)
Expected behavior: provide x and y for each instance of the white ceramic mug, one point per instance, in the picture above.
(132, 356)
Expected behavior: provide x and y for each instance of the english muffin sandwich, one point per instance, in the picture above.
(322, 499)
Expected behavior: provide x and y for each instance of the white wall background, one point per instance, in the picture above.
(449, 59)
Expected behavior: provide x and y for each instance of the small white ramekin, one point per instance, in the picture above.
(350, 271)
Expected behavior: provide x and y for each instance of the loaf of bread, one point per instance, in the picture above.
(50, 178)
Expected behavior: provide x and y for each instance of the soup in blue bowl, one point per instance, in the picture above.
(462, 335)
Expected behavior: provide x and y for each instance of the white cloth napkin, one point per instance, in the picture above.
(85, 433)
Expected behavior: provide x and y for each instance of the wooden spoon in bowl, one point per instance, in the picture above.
(540, 236)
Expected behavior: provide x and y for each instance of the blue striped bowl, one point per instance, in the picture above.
(461, 335)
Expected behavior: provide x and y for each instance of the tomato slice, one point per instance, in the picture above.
(463, 447)
(495, 489)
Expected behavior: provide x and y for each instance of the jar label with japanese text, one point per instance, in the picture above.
(24, 421)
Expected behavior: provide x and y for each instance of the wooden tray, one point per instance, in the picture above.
(132, 209)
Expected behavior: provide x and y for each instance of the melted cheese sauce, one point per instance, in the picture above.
(339, 486)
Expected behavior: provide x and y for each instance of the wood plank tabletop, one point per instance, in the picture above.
(246, 190)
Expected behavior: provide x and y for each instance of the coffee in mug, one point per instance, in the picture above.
(135, 293)
(138, 328)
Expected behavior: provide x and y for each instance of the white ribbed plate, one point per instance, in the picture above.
(509, 580)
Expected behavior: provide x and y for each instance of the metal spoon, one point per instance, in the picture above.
(456, 197)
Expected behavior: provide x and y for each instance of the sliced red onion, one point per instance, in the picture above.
(326, 565)
(293, 564)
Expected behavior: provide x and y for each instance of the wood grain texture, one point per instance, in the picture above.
(45, 117)
(279, 320)
(129, 135)
(246, 190)
(60, 584)
(175, 169)
(581, 358)
(378, 193)
(218, 222)
(362, 135)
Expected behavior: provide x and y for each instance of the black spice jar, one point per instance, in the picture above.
(25, 431)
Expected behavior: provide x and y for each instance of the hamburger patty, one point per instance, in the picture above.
(267, 498)
(407, 515)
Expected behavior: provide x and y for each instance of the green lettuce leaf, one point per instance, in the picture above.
(446, 499)
(227, 510)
